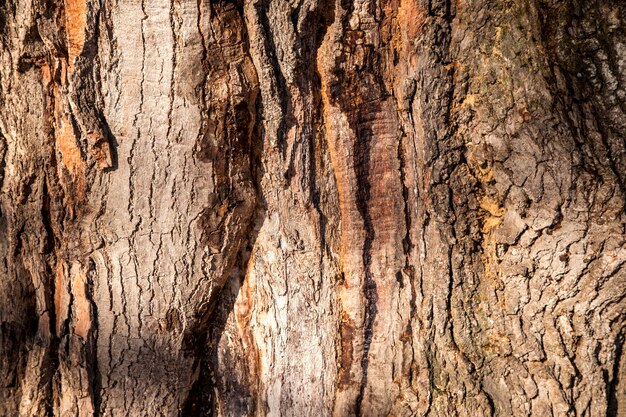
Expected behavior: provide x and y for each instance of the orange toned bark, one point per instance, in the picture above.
(76, 22)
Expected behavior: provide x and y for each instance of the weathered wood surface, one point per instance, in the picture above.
(312, 207)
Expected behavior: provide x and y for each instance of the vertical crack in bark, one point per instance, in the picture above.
(172, 92)
(93, 372)
(356, 93)
(361, 168)
(284, 94)
(315, 22)
(613, 396)
(229, 144)
(204, 109)
(407, 247)
(52, 362)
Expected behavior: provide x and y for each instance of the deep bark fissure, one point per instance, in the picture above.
(361, 167)
(282, 91)
(612, 385)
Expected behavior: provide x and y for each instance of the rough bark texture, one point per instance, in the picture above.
(312, 207)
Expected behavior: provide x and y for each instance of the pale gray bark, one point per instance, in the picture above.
(314, 207)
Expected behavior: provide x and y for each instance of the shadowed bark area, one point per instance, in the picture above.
(312, 207)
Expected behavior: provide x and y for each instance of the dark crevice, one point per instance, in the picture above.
(314, 189)
(358, 90)
(3, 151)
(204, 108)
(362, 155)
(407, 244)
(490, 403)
(614, 383)
(49, 238)
(51, 362)
(243, 142)
(95, 378)
(228, 388)
(204, 339)
(309, 37)
(112, 142)
(287, 120)
(309, 81)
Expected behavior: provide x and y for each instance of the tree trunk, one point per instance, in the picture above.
(312, 208)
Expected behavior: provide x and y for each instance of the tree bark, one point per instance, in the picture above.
(313, 207)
